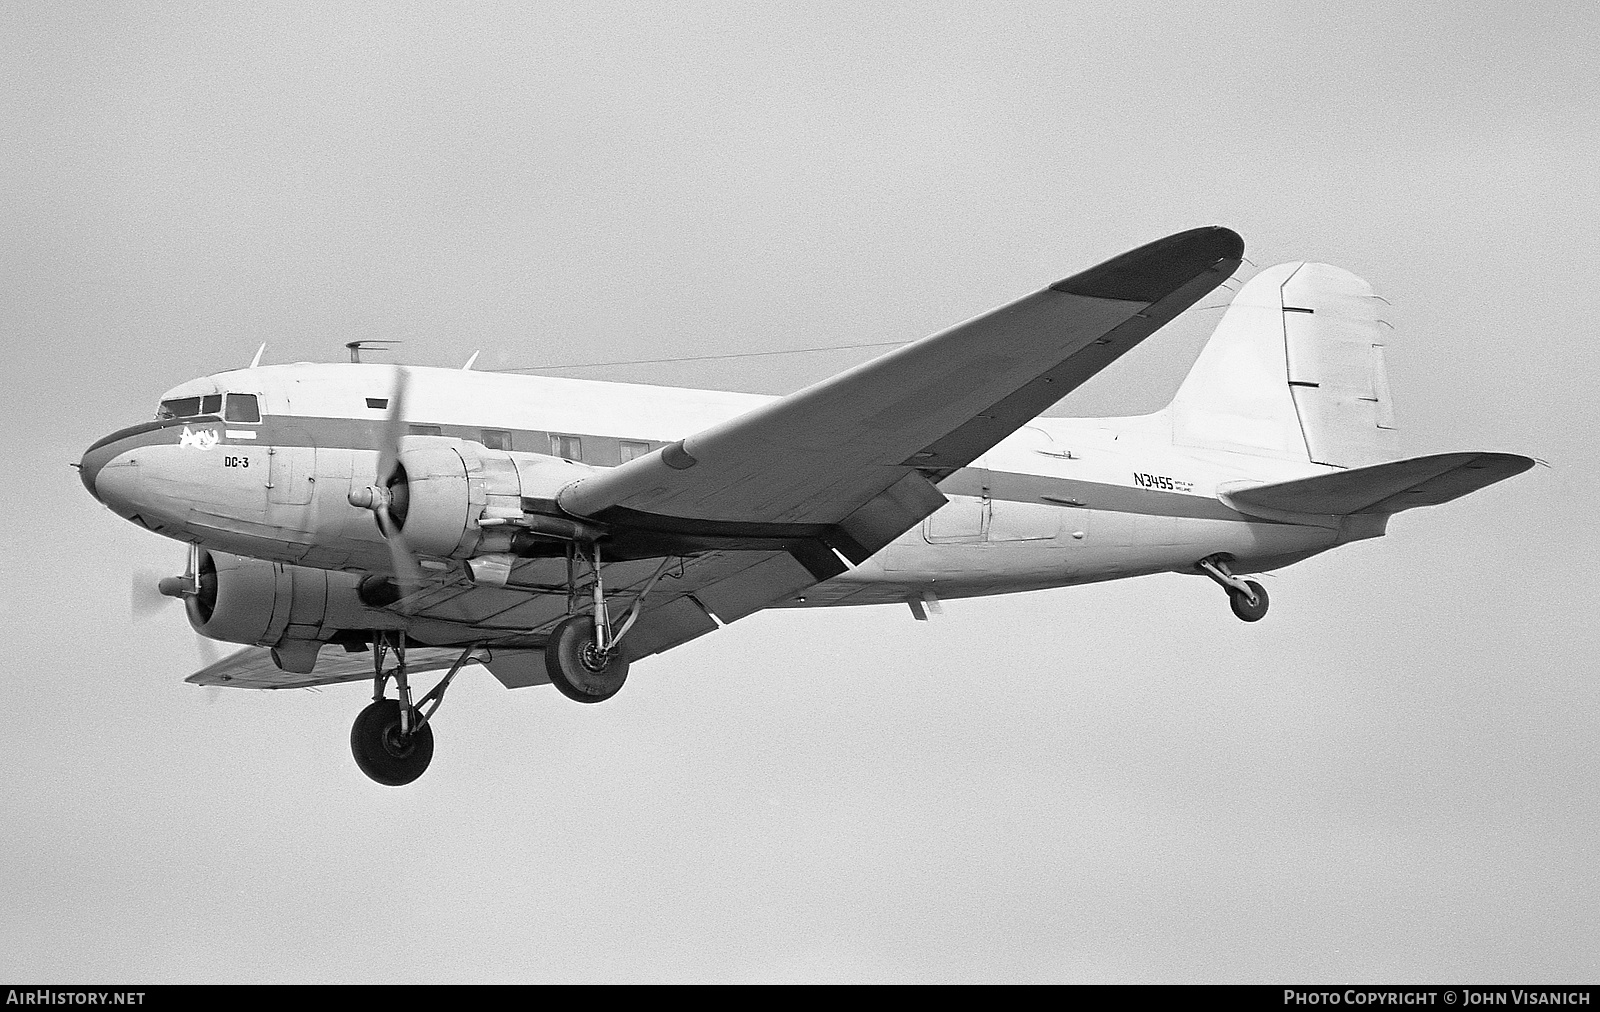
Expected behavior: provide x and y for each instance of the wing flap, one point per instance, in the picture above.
(665, 626)
(775, 577)
(1382, 488)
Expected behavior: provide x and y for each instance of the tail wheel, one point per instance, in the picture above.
(577, 669)
(382, 752)
(1241, 604)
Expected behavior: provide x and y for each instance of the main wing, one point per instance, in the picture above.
(850, 463)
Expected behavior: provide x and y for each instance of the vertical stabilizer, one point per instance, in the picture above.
(1294, 370)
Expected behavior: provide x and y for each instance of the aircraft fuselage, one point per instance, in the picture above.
(1060, 502)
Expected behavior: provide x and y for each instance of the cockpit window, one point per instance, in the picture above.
(179, 407)
(188, 407)
(242, 408)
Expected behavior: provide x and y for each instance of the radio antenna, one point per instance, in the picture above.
(372, 345)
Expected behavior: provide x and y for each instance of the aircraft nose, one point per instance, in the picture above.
(115, 483)
(94, 461)
(102, 473)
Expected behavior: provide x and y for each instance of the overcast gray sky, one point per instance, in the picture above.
(1393, 777)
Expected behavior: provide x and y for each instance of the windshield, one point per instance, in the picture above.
(189, 407)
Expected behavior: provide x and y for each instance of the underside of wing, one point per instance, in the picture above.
(662, 602)
(850, 463)
(1381, 488)
(253, 668)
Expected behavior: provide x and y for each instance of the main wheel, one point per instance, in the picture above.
(380, 750)
(576, 668)
(1243, 608)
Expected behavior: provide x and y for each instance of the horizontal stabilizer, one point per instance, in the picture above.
(1381, 488)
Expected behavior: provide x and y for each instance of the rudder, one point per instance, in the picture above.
(1294, 370)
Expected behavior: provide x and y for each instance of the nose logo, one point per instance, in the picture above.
(202, 439)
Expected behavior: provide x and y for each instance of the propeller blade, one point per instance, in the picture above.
(407, 572)
(394, 427)
(145, 599)
(210, 652)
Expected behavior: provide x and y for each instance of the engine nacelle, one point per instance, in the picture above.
(444, 486)
(292, 609)
(235, 597)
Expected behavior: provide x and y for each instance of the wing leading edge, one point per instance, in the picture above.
(850, 463)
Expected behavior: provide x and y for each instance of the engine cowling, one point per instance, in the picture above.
(234, 599)
(443, 487)
(259, 603)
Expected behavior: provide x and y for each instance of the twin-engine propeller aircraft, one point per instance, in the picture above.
(366, 521)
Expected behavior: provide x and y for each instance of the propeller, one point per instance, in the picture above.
(152, 593)
(145, 600)
(388, 498)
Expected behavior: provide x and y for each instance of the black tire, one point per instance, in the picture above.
(1242, 606)
(375, 742)
(569, 657)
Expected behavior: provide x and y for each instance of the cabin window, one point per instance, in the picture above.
(179, 407)
(632, 448)
(211, 404)
(570, 447)
(377, 402)
(426, 430)
(242, 408)
(497, 439)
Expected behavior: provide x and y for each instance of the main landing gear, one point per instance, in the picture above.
(579, 667)
(1247, 598)
(583, 655)
(391, 739)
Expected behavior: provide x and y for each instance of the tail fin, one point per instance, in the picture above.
(1294, 370)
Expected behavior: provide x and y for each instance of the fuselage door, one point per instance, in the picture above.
(291, 474)
(964, 519)
(292, 461)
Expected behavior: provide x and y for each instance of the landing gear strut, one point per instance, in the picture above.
(391, 739)
(1247, 598)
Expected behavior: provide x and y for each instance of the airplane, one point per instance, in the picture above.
(350, 521)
